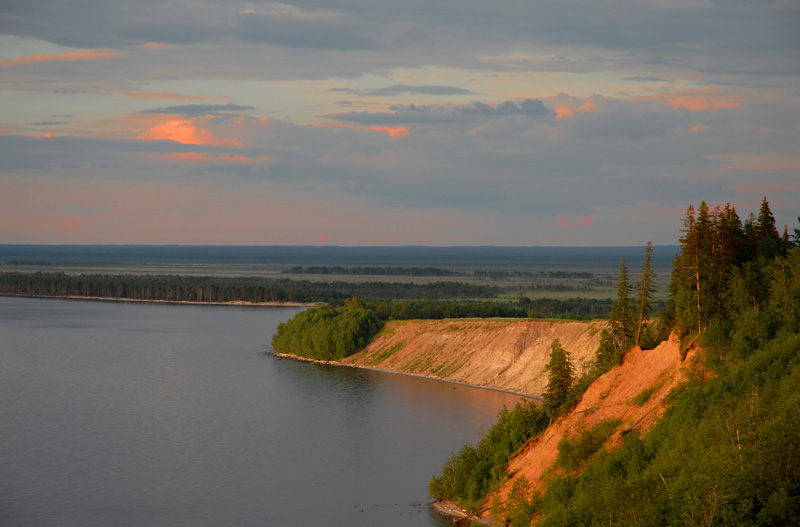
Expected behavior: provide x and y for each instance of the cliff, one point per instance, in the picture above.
(502, 354)
(618, 394)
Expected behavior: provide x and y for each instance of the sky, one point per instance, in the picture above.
(393, 122)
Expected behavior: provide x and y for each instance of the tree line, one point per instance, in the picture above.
(326, 332)
(222, 289)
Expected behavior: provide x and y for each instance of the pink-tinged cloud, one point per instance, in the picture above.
(42, 136)
(476, 130)
(695, 100)
(156, 45)
(187, 131)
(68, 224)
(323, 239)
(170, 96)
(765, 131)
(699, 128)
(567, 106)
(391, 131)
(86, 54)
(198, 157)
(580, 220)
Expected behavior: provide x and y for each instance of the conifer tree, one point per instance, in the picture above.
(621, 323)
(769, 241)
(646, 290)
(796, 235)
(695, 269)
(561, 376)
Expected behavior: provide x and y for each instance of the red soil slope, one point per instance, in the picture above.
(503, 354)
(609, 397)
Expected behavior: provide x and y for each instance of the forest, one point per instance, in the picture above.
(224, 289)
(727, 449)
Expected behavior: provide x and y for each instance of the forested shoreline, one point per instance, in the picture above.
(221, 289)
(390, 300)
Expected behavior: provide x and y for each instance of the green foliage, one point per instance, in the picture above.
(574, 452)
(644, 296)
(560, 376)
(608, 355)
(223, 289)
(469, 476)
(644, 396)
(327, 333)
(621, 323)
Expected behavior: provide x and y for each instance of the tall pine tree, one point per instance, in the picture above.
(560, 376)
(645, 293)
(621, 323)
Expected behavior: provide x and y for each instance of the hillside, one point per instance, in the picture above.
(615, 395)
(503, 354)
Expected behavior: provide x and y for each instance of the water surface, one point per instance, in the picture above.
(132, 414)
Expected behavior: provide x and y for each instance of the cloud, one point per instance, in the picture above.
(67, 56)
(68, 224)
(391, 131)
(711, 98)
(198, 110)
(284, 29)
(439, 114)
(198, 157)
(168, 96)
(400, 89)
(699, 128)
(186, 131)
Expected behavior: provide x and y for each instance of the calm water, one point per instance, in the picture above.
(118, 414)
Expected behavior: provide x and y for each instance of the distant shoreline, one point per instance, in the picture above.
(190, 302)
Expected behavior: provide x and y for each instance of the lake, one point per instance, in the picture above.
(131, 414)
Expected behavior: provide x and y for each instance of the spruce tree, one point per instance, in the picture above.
(769, 241)
(561, 376)
(621, 324)
(646, 291)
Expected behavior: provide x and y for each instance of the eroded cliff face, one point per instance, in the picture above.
(503, 354)
(612, 396)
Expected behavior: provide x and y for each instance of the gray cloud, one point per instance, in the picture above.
(293, 31)
(715, 37)
(399, 89)
(430, 114)
(197, 110)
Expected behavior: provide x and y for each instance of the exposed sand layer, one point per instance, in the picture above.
(609, 397)
(502, 354)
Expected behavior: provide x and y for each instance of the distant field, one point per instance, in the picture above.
(580, 272)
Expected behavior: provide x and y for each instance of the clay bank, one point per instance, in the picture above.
(501, 354)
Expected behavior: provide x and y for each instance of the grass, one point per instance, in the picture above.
(575, 451)
(644, 396)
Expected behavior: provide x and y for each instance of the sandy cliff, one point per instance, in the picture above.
(502, 354)
(609, 397)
